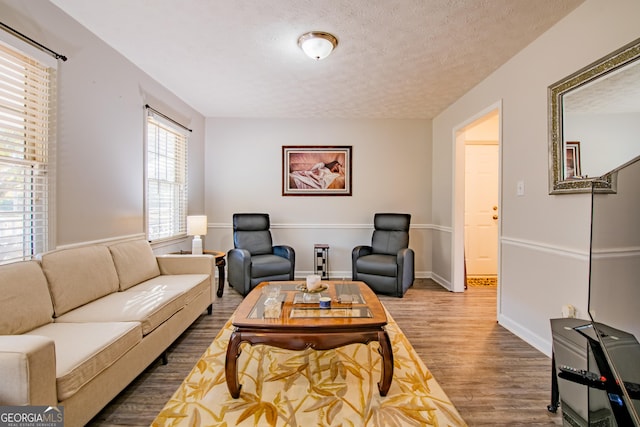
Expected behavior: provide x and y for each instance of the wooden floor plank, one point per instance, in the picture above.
(492, 377)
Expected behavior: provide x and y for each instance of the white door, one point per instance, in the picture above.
(481, 209)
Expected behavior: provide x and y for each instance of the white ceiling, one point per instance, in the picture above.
(395, 58)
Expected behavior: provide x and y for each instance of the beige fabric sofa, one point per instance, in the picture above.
(78, 325)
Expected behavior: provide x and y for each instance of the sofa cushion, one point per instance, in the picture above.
(151, 309)
(24, 298)
(83, 350)
(190, 284)
(78, 276)
(135, 262)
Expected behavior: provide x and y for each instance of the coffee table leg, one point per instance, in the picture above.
(386, 374)
(231, 365)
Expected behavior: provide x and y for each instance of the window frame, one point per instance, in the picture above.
(174, 175)
(27, 150)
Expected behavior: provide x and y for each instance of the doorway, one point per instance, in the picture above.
(481, 201)
(476, 253)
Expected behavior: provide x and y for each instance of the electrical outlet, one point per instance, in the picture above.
(520, 188)
(568, 311)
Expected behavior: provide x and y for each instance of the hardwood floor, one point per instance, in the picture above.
(492, 377)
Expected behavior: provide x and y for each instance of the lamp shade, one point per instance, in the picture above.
(317, 44)
(196, 225)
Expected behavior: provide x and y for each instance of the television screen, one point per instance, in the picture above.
(614, 278)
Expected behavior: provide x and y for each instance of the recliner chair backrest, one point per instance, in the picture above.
(251, 232)
(391, 233)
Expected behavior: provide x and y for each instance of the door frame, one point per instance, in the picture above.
(457, 247)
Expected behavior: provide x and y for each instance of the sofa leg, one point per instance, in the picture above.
(210, 309)
(164, 358)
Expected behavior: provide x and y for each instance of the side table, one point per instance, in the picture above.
(220, 263)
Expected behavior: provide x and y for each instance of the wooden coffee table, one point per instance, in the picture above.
(304, 325)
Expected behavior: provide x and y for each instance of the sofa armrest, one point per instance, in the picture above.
(28, 370)
(186, 264)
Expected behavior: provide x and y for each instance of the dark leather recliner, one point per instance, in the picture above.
(387, 266)
(254, 259)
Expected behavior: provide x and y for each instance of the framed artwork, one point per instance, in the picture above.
(316, 170)
(572, 160)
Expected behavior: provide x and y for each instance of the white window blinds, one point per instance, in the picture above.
(27, 118)
(166, 190)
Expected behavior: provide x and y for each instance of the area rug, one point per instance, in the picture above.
(310, 388)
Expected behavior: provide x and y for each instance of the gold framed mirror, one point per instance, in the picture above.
(594, 122)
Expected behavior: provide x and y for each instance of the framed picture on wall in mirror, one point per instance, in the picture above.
(316, 170)
(572, 160)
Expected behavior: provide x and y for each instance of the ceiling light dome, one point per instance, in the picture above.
(317, 44)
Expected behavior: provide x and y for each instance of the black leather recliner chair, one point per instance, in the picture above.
(254, 259)
(387, 266)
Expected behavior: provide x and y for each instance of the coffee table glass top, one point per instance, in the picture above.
(347, 301)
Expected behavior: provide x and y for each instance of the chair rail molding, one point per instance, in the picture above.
(582, 255)
(312, 226)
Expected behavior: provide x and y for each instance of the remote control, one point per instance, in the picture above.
(583, 377)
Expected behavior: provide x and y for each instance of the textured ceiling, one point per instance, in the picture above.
(395, 58)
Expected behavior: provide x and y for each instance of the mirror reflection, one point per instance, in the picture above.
(595, 122)
(601, 128)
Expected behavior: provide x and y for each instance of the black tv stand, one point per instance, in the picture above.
(572, 337)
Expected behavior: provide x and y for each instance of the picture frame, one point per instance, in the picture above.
(572, 160)
(316, 170)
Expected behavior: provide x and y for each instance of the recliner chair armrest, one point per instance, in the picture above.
(361, 250)
(285, 251)
(289, 253)
(238, 267)
(406, 272)
(405, 254)
(356, 253)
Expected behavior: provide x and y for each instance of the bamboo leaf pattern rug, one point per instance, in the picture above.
(310, 388)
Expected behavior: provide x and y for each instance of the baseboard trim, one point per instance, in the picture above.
(539, 343)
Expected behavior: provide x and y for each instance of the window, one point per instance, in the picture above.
(166, 178)
(27, 112)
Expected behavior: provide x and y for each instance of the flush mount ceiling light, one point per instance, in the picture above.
(317, 44)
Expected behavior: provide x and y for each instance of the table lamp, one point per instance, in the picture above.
(196, 227)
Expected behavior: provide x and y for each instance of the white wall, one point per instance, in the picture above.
(391, 173)
(545, 239)
(100, 187)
